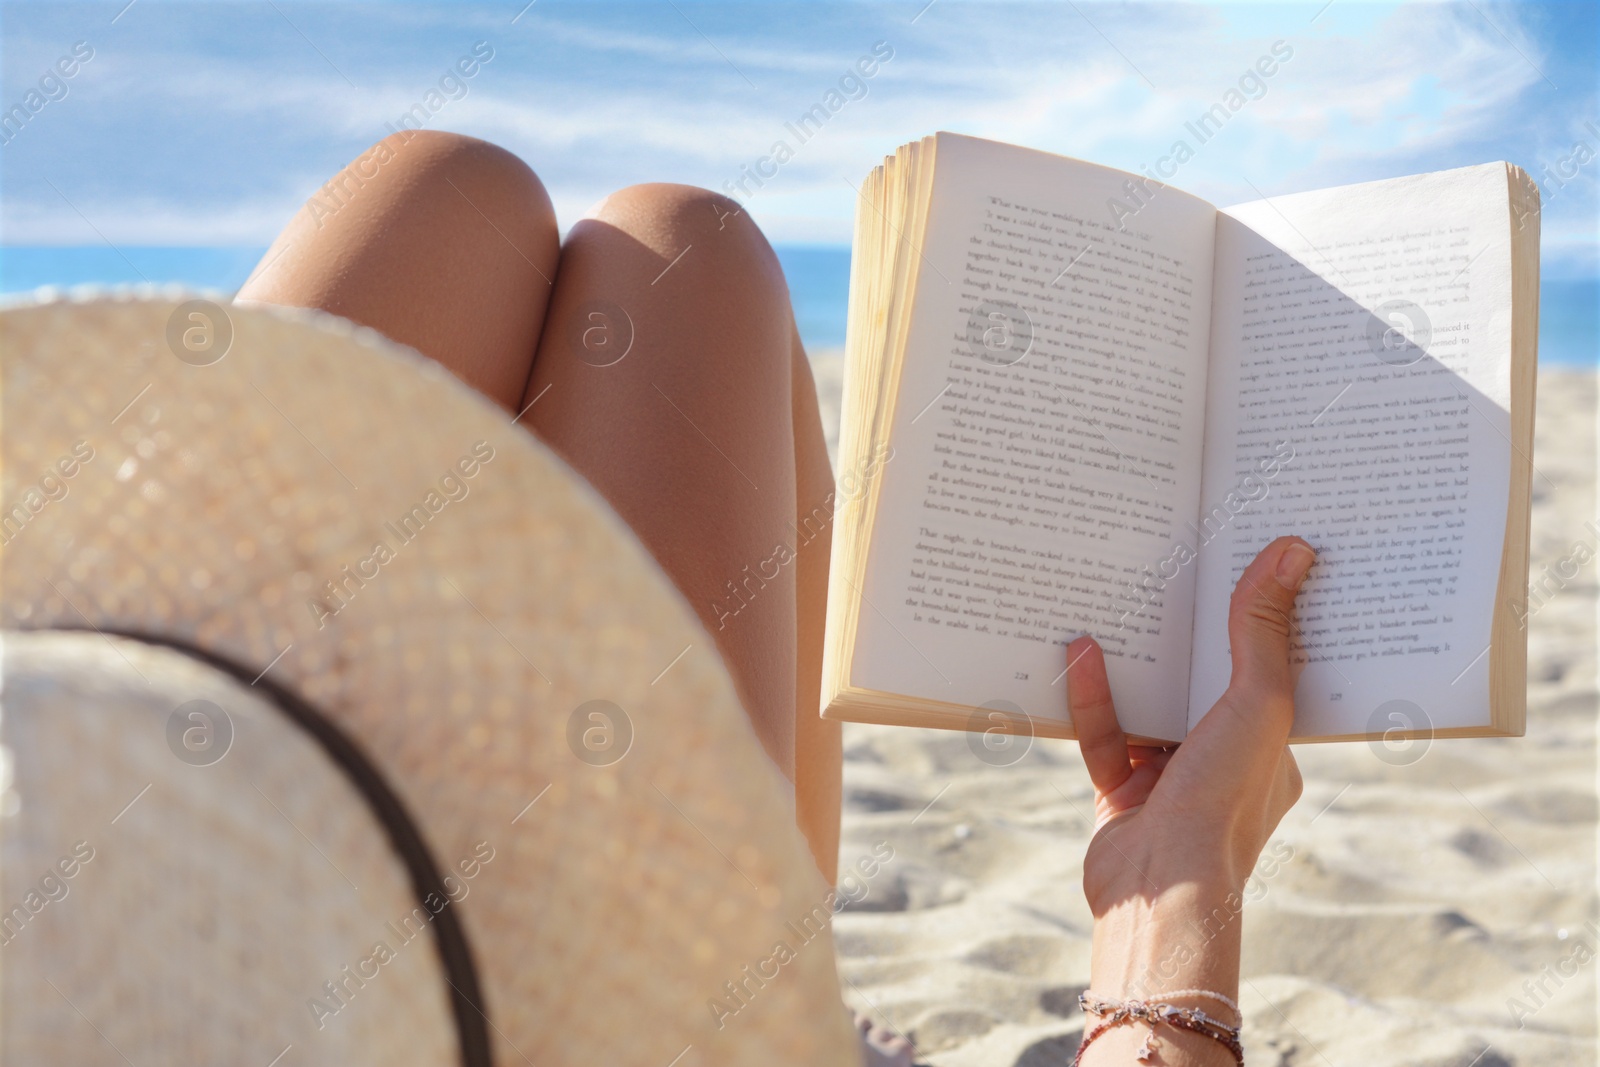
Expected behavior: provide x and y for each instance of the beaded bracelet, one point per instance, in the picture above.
(1208, 994)
(1152, 1013)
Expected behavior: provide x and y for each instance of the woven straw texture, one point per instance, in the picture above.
(219, 923)
(239, 507)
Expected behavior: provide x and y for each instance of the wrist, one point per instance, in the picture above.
(1161, 941)
(1184, 936)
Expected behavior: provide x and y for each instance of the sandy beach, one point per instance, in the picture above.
(1434, 908)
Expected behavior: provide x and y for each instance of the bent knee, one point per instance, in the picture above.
(446, 153)
(448, 173)
(670, 218)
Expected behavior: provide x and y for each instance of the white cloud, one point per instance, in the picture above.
(1369, 93)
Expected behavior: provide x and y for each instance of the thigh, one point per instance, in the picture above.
(438, 241)
(670, 374)
(663, 375)
(818, 751)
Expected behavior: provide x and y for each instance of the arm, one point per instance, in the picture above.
(1178, 832)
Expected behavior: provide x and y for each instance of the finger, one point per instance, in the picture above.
(1147, 754)
(1094, 719)
(1261, 624)
(1107, 813)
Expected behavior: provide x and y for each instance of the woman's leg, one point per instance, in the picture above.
(704, 436)
(441, 242)
(818, 759)
(669, 373)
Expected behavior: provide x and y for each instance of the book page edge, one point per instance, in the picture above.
(1508, 635)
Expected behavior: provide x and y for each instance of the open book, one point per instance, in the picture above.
(1079, 401)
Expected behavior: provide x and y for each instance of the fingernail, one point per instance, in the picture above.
(1293, 565)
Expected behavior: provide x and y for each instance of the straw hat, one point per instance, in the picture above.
(346, 724)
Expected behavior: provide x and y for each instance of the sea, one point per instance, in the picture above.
(818, 276)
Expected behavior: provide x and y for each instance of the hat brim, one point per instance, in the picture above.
(390, 547)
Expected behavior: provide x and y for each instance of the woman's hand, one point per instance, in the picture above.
(1178, 832)
(1202, 812)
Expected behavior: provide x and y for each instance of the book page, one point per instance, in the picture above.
(1361, 344)
(1046, 440)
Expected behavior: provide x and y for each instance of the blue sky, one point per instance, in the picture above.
(208, 124)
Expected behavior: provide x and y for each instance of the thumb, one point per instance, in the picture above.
(1261, 621)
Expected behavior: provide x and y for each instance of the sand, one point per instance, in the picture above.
(1413, 904)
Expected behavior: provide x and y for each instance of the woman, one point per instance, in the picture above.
(656, 351)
